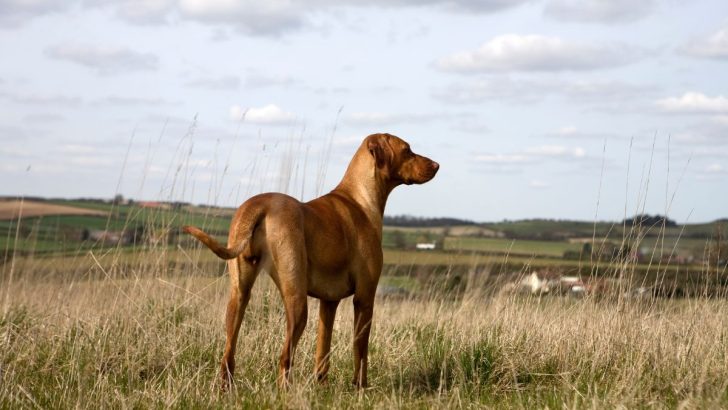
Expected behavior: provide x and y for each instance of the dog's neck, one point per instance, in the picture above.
(363, 183)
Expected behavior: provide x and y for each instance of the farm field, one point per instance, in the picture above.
(12, 209)
(513, 247)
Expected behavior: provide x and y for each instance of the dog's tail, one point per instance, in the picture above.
(241, 238)
(215, 246)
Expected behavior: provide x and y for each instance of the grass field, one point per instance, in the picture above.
(154, 340)
(514, 247)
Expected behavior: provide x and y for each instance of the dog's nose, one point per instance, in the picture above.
(435, 165)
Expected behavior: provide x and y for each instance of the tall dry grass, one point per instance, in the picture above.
(155, 341)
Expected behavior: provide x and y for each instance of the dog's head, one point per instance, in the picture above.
(397, 163)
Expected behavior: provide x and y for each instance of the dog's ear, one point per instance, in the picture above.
(378, 150)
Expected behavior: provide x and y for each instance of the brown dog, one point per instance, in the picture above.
(329, 248)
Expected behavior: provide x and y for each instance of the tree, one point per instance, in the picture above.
(718, 249)
(118, 199)
(398, 239)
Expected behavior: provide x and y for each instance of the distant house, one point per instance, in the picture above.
(425, 246)
(105, 237)
(547, 282)
(153, 204)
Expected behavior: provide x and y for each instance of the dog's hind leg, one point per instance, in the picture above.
(242, 278)
(290, 275)
(296, 304)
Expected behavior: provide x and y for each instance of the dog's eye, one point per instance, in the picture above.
(407, 151)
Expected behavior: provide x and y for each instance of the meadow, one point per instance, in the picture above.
(142, 334)
(94, 324)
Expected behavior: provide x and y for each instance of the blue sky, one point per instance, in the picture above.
(553, 108)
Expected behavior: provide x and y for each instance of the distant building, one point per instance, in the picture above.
(153, 204)
(425, 246)
(547, 282)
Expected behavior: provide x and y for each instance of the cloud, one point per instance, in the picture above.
(601, 90)
(529, 155)
(503, 158)
(714, 168)
(599, 11)
(105, 59)
(493, 89)
(479, 6)
(531, 90)
(144, 11)
(77, 149)
(14, 13)
(270, 17)
(381, 119)
(556, 151)
(229, 82)
(513, 52)
(135, 101)
(572, 132)
(471, 126)
(278, 17)
(711, 172)
(270, 114)
(136, 11)
(694, 103)
(713, 46)
(537, 183)
(374, 118)
(42, 99)
(260, 80)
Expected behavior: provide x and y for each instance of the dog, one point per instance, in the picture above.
(329, 248)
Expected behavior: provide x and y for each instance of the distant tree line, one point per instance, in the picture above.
(416, 221)
(649, 220)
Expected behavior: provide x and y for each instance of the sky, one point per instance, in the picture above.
(564, 109)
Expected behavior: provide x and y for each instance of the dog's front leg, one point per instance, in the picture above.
(363, 312)
(327, 313)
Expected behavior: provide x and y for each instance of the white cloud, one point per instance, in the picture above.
(270, 114)
(15, 12)
(499, 88)
(144, 11)
(270, 17)
(714, 46)
(599, 11)
(714, 168)
(105, 59)
(514, 161)
(503, 158)
(42, 99)
(512, 52)
(77, 149)
(493, 89)
(573, 132)
(536, 183)
(567, 131)
(382, 119)
(229, 82)
(694, 103)
(136, 11)
(134, 101)
(556, 151)
(268, 80)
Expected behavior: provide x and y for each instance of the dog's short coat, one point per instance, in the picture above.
(329, 248)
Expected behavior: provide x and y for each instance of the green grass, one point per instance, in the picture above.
(511, 246)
